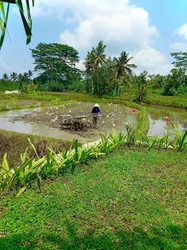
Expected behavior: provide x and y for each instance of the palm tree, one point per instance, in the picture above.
(13, 77)
(20, 78)
(5, 77)
(30, 74)
(99, 58)
(94, 60)
(25, 77)
(122, 65)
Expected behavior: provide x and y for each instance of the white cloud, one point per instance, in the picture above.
(152, 60)
(121, 25)
(179, 46)
(118, 23)
(182, 31)
(80, 65)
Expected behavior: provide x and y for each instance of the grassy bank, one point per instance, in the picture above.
(14, 101)
(133, 200)
(15, 143)
(172, 101)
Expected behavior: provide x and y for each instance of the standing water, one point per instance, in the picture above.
(162, 118)
(45, 121)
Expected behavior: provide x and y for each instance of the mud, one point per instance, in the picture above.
(113, 116)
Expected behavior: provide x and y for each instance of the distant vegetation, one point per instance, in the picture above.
(56, 71)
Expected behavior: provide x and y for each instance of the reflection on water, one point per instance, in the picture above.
(163, 118)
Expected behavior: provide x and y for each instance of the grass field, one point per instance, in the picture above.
(14, 101)
(134, 199)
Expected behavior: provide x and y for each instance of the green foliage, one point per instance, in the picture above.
(174, 80)
(8, 85)
(93, 63)
(106, 76)
(180, 140)
(140, 83)
(27, 22)
(56, 65)
(156, 81)
(143, 122)
(31, 87)
(53, 164)
(16, 81)
(180, 60)
(51, 86)
(182, 90)
(123, 66)
(173, 101)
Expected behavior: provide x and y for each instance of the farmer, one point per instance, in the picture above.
(96, 111)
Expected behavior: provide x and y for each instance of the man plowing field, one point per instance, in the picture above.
(96, 112)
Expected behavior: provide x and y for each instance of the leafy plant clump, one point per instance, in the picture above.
(52, 164)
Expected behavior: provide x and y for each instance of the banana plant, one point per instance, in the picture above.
(25, 16)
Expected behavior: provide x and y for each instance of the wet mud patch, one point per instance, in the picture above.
(45, 121)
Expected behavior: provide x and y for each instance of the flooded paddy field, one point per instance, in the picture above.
(45, 121)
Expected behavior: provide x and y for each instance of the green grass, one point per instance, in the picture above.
(15, 101)
(172, 101)
(157, 99)
(134, 199)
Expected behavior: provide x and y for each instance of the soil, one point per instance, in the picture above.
(113, 116)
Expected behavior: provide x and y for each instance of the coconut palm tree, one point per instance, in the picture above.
(29, 74)
(99, 58)
(13, 77)
(94, 60)
(5, 77)
(27, 22)
(123, 66)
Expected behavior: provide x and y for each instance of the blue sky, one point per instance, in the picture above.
(147, 29)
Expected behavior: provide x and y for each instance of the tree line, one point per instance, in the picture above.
(56, 70)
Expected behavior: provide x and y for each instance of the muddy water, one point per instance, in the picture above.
(46, 121)
(162, 118)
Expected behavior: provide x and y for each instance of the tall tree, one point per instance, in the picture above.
(13, 77)
(180, 60)
(5, 77)
(56, 62)
(93, 62)
(123, 66)
(30, 74)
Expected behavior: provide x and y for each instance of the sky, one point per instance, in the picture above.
(149, 30)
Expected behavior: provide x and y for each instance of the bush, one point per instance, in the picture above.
(51, 86)
(141, 86)
(8, 85)
(168, 90)
(182, 90)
